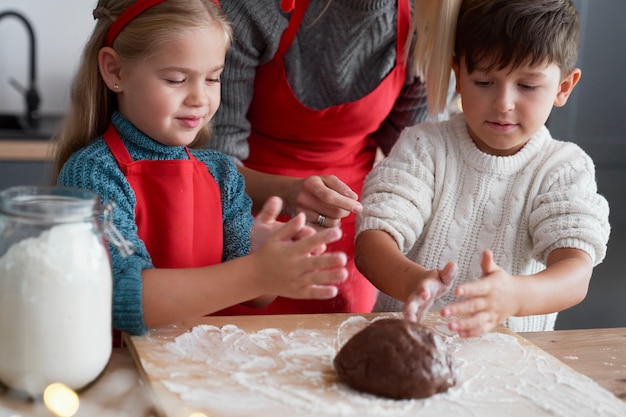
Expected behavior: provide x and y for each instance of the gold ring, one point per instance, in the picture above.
(320, 220)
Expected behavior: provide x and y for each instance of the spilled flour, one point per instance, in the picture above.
(226, 371)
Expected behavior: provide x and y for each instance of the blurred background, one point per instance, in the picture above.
(595, 118)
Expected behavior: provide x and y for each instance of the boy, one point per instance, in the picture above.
(510, 215)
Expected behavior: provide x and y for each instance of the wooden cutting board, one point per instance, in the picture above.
(282, 366)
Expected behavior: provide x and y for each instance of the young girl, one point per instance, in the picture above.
(146, 89)
(487, 211)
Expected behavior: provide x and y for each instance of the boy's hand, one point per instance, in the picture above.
(486, 302)
(420, 301)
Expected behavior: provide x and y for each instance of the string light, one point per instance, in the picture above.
(61, 400)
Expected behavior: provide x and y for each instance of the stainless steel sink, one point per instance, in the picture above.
(16, 127)
(10, 122)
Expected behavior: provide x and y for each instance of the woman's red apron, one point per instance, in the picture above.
(179, 208)
(289, 138)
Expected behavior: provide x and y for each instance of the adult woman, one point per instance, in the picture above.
(309, 94)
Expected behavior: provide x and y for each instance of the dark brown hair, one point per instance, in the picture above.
(496, 34)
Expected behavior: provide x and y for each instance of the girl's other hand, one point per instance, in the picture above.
(293, 261)
(265, 222)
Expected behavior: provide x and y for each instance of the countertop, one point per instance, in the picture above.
(597, 353)
(26, 150)
(29, 143)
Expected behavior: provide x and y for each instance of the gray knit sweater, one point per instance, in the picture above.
(442, 199)
(338, 55)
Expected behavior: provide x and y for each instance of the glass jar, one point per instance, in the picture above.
(55, 287)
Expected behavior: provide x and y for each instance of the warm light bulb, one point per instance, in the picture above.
(61, 400)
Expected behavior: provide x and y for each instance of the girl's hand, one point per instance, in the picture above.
(327, 196)
(293, 263)
(265, 224)
(433, 286)
(486, 302)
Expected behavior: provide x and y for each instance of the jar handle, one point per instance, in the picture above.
(113, 235)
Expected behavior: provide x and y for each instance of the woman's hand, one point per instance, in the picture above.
(324, 200)
(431, 287)
(485, 303)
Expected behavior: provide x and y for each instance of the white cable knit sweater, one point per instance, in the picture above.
(443, 199)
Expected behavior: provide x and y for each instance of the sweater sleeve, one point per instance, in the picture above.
(95, 169)
(236, 205)
(568, 211)
(398, 193)
(409, 109)
(258, 26)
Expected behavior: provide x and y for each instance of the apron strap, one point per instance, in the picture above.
(119, 151)
(403, 23)
(292, 29)
(115, 144)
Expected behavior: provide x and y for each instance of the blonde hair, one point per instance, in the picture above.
(91, 102)
(430, 49)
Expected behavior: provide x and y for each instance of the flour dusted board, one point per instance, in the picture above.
(282, 366)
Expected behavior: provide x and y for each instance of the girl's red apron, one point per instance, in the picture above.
(289, 138)
(178, 211)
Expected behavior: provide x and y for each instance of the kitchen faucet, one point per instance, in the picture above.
(30, 93)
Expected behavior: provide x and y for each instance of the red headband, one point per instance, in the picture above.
(126, 16)
(129, 14)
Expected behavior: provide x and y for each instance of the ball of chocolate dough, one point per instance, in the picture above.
(398, 359)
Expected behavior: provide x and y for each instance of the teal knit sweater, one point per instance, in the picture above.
(94, 168)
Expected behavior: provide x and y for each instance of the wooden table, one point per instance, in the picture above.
(598, 353)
